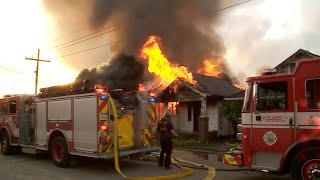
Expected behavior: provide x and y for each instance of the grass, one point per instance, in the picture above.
(217, 146)
(183, 143)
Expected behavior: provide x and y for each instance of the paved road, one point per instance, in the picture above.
(29, 167)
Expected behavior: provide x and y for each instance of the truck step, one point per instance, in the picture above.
(30, 150)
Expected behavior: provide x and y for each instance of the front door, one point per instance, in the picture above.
(272, 122)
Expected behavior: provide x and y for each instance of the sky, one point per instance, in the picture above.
(258, 34)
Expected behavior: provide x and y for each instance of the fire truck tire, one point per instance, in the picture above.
(304, 163)
(6, 148)
(59, 152)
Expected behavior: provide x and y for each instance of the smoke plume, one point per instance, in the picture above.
(185, 27)
(120, 72)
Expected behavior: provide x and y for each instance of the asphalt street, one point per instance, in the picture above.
(40, 167)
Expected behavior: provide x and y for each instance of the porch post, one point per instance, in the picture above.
(204, 107)
(203, 121)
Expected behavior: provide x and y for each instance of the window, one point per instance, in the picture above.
(189, 112)
(5, 107)
(272, 96)
(12, 106)
(313, 93)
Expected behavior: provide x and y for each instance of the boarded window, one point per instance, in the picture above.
(313, 93)
(272, 96)
(12, 107)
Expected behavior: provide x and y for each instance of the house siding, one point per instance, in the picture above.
(180, 121)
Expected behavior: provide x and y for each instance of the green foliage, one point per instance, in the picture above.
(182, 143)
(232, 110)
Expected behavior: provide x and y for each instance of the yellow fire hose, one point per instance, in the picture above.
(187, 171)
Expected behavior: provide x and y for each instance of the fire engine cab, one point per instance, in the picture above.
(75, 120)
(281, 123)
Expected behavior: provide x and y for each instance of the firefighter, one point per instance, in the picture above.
(166, 130)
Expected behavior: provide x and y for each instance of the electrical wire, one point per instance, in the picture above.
(141, 17)
(88, 49)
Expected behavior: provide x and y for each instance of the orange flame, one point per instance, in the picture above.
(160, 65)
(210, 69)
(239, 86)
(142, 87)
(172, 106)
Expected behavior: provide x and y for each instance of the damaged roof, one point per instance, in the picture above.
(206, 85)
(214, 86)
(237, 96)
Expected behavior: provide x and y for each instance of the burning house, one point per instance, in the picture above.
(203, 99)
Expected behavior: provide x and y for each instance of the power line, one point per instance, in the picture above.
(87, 39)
(13, 71)
(243, 2)
(84, 36)
(114, 25)
(89, 49)
(141, 17)
(66, 35)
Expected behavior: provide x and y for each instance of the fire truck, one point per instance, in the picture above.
(280, 128)
(76, 120)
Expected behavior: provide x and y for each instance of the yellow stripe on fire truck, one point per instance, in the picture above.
(152, 124)
(145, 137)
(104, 136)
(232, 159)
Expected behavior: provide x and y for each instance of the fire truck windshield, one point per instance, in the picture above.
(246, 102)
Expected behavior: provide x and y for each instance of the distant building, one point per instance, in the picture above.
(288, 65)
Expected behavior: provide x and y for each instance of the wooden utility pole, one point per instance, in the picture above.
(37, 68)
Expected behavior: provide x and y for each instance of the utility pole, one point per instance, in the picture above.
(37, 68)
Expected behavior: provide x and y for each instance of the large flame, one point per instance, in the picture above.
(160, 65)
(209, 68)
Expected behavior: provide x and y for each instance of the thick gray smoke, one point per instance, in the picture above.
(121, 72)
(186, 28)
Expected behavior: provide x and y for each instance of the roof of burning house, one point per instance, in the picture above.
(237, 96)
(214, 86)
(206, 85)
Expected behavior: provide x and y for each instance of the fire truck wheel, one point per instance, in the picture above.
(59, 152)
(306, 165)
(6, 148)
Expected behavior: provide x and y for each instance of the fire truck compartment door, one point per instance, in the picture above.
(126, 131)
(41, 131)
(85, 123)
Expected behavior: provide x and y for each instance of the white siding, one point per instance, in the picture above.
(212, 113)
(180, 121)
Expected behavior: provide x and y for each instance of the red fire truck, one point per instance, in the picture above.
(65, 120)
(281, 123)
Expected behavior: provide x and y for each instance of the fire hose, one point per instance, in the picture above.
(187, 171)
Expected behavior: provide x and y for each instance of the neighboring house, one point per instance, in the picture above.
(202, 99)
(288, 65)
